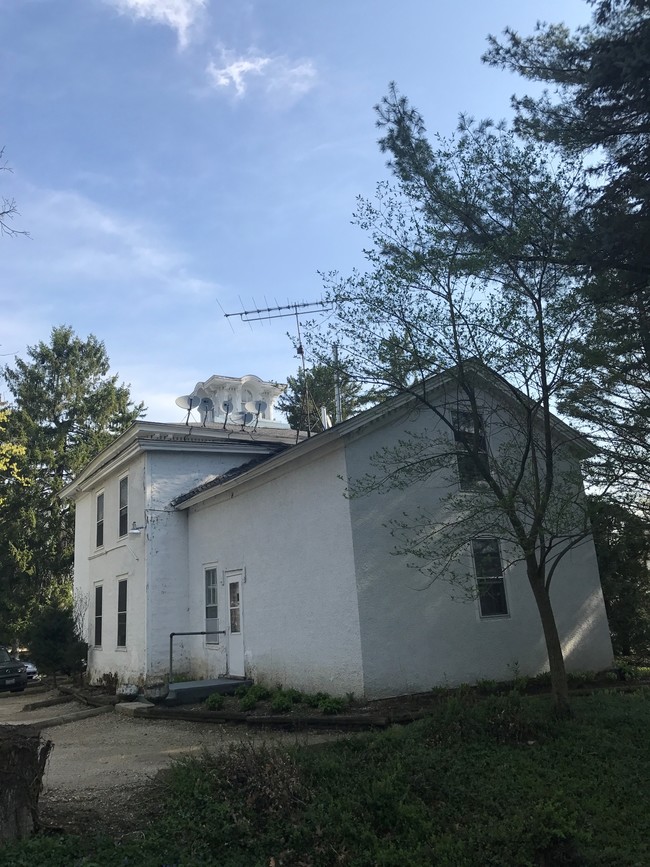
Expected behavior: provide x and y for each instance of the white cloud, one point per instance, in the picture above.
(274, 75)
(180, 15)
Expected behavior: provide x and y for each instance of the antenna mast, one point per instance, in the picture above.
(279, 312)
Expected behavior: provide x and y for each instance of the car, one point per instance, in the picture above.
(13, 674)
(32, 671)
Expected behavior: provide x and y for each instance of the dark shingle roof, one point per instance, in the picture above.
(216, 481)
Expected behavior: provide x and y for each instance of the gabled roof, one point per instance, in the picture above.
(145, 436)
(480, 373)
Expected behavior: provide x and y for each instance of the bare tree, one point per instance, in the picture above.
(8, 209)
(465, 269)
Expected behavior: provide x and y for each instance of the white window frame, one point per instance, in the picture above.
(468, 481)
(100, 522)
(122, 618)
(211, 601)
(492, 580)
(98, 617)
(123, 509)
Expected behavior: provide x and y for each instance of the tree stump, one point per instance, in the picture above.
(23, 756)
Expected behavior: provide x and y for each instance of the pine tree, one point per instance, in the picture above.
(66, 407)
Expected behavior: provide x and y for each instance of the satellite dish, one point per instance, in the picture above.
(187, 401)
(226, 406)
(255, 406)
(206, 409)
(242, 418)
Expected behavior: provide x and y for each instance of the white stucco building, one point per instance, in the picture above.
(245, 533)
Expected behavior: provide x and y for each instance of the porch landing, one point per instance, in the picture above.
(191, 691)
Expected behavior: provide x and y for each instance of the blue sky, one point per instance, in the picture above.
(174, 159)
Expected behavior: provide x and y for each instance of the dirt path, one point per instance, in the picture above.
(101, 772)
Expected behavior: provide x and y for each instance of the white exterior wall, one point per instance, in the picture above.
(291, 534)
(170, 474)
(154, 562)
(118, 559)
(415, 636)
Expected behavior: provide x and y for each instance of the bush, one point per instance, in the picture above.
(247, 702)
(281, 702)
(315, 699)
(55, 644)
(258, 692)
(331, 706)
(215, 701)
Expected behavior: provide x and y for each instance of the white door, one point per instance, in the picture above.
(235, 635)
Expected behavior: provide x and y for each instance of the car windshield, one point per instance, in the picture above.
(4, 656)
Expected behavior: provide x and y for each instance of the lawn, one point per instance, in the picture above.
(482, 781)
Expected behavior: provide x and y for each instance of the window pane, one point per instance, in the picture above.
(98, 616)
(235, 625)
(487, 558)
(121, 614)
(211, 607)
(99, 535)
(492, 597)
(124, 507)
(235, 619)
(472, 451)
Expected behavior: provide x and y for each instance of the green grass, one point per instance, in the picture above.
(483, 782)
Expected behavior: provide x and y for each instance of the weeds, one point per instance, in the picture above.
(495, 782)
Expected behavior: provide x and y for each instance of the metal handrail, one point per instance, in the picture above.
(171, 643)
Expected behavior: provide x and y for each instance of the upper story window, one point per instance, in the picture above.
(489, 577)
(124, 507)
(471, 452)
(99, 521)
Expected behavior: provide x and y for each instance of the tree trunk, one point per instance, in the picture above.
(559, 685)
(23, 755)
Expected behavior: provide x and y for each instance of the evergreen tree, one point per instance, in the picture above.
(598, 109)
(622, 542)
(308, 391)
(66, 407)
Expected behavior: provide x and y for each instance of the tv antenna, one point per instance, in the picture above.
(296, 309)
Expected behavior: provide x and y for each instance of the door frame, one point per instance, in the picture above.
(234, 640)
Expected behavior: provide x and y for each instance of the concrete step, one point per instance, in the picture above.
(191, 691)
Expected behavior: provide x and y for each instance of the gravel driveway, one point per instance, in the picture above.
(101, 771)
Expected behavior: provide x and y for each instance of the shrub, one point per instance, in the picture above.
(579, 678)
(259, 692)
(331, 706)
(486, 687)
(247, 702)
(281, 702)
(315, 699)
(250, 695)
(214, 701)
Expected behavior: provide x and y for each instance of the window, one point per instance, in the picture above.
(99, 600)
(489, 577)
(121, 613)
(235, 607)
(472, 449)
(99, 526)
(211, 607)
(124, 507)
